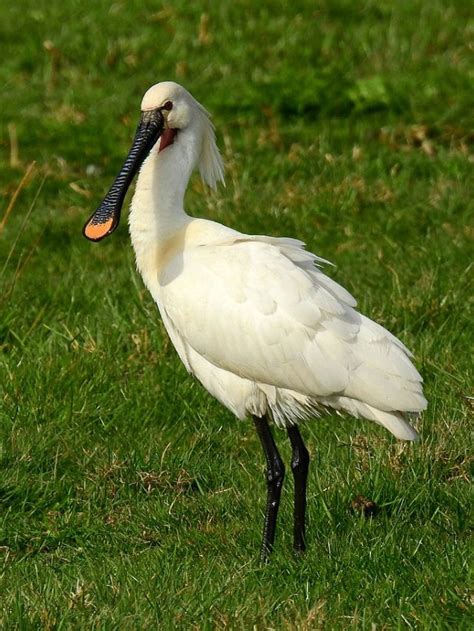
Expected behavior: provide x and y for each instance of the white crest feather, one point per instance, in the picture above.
(211, 165)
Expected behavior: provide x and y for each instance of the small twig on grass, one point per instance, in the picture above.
(22, 227)
(22, 184)
(14, 153)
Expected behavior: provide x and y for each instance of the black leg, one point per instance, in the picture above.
(299, 466)
(275, 475)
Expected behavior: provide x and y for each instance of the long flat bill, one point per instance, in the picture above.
(107, 216)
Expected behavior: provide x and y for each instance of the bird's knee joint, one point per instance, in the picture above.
(300, 462)
(275, 476)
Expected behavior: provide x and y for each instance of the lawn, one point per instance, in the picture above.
(129, 499)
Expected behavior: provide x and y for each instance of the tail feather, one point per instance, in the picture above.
(395, 422)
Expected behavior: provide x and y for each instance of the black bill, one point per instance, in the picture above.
(106, 218)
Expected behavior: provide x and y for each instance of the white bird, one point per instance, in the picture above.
(253, 318)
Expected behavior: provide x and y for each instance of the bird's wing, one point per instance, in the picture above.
(260, 308)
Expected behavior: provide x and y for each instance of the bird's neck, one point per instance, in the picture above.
(157, 208)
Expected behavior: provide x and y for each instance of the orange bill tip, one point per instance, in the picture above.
(97, 231)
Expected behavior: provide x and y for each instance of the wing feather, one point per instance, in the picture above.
(249, 309)
(260, 308)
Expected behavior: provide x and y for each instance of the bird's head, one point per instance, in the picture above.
(170, 116)
(173, 101)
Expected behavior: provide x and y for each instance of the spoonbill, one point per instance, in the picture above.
(253, 318)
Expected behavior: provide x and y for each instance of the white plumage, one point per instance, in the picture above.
(254, 318)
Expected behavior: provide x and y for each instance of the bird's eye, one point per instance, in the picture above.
(168, 106)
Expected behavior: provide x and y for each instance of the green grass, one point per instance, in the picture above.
(128, 497)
